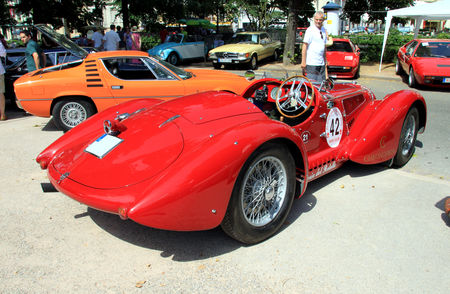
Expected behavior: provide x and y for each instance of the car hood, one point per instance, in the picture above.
(153, 139)
(432, 66)
(341, 58)
(62, 41)
(238, 48)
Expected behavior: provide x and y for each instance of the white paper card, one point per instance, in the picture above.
(103, 145)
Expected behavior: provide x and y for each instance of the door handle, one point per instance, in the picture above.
(117, 87)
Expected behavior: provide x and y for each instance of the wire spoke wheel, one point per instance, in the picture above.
(264, 191)
(408, 135)
(262, 195)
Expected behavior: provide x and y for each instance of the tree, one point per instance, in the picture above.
(5, 17)
(353, 9)
(376, 9)
(76, 13)
(298, 13)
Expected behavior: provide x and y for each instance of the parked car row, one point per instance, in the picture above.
(243, 48)
(74, 91)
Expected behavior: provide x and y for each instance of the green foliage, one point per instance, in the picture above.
(76, 13)
(5, 17)
(371, 46)
(443, 35)
(148, 42)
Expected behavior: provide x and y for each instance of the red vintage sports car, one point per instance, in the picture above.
(426, 61)
(238, 161)
(343, 59)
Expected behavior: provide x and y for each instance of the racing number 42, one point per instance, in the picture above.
(334, 127)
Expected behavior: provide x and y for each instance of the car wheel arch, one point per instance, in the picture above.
(231, 222)
(300, 159)
(73, 97)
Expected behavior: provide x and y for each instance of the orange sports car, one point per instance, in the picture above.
(74, 91)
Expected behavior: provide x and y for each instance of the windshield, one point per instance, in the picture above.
(178, 71)
(340, 46)
(433, 49)
(245, 39)
(177, 38)
(62, 41)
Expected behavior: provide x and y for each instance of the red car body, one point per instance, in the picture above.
(343, 59)
(426, 62)
(178, 165)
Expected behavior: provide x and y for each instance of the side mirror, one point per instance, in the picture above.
(249, 75)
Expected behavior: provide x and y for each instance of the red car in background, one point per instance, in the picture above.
(343, 59)
(426, 62)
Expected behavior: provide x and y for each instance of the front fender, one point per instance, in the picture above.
(193, 194)
(375, 133)
(168, 51)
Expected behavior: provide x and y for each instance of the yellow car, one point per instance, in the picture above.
(246, 47)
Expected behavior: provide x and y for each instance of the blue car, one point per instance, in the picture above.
(178, 48)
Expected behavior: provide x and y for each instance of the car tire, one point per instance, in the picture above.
(266, 184)
(253, 62)
(412, 83)
(275, 55)
(173, 58)
(357, 74)
(408, 135)
(398, 68)
(217, 65)
(69, 113)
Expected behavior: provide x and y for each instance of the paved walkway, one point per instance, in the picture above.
(367, 70)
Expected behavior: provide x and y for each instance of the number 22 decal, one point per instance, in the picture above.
(333, 127)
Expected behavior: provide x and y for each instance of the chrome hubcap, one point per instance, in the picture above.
(264, 191)
(72, 114)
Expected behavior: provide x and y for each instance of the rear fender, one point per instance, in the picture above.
(375, 134)
(91, 127)
(193, 194)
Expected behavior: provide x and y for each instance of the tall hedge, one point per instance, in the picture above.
(371, 45)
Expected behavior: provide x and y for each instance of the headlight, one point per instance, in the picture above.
(161, 54)
(243, 55)
(212, 54)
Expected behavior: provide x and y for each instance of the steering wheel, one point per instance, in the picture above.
(297, 98)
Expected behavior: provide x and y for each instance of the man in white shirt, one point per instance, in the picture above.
(2, 84)
(314, 58)
(111, 39)
(97, 37)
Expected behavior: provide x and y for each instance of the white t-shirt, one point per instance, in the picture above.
(111, 40)
(316, 45)
(97, 37)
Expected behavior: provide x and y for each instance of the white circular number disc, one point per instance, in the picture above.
(334, 127)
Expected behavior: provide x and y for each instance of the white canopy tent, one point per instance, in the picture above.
(439, 10)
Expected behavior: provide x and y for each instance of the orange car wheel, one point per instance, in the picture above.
(71, 112)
